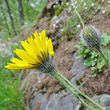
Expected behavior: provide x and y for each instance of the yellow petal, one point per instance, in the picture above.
(34, 45)
(50, 47)
(15, 66)
(40, 44)
(43, 38)
(28, 48)
(26, 56)
(17, 61)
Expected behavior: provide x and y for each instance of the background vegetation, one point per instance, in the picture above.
(17, 14)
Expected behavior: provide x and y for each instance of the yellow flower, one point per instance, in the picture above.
(9, 38)
(37, 50)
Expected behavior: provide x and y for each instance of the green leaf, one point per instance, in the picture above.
(107, 54)
(100, 62)
(105, 39)
(93, 68)
(93, 74)
(100, 70)
(78, 56)
(89, 61)
(86, 50)
(77, 46)
(93, 54)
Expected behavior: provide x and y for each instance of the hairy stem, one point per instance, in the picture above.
(78, 15)
(101, 51)
(69, 88)
(81, 93)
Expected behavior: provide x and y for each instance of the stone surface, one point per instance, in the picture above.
(98, 100)
(78, 68)
(60, 101)
(49, 8)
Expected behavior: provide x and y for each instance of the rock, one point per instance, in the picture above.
(78, 68)
(105, 100)
(63, 101)
(41, 98)
(37, 106)
(31, 79)
(60, 101)
(98, 100)
(49, 8)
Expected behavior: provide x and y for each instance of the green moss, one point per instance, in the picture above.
(59, 8)
(108, 13)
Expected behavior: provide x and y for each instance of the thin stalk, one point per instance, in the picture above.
(79, 16)
(80, 91)
(69, 88)
(101, 51)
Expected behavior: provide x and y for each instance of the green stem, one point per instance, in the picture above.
(69, 88)
(79, 16)
(101, 51)
(79, 91)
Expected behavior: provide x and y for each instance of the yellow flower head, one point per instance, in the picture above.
(9, 38)
(37, 51)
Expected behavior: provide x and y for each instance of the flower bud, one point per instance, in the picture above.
(91, 37)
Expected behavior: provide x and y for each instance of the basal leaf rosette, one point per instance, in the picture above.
(37, 53)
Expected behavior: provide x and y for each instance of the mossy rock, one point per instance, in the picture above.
(59, 8)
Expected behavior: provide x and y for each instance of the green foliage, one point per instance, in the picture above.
(31, 8)
(92, 58)
(105, 39)
(59, 8)
(70, 28)
(11, 96)
(93, 109)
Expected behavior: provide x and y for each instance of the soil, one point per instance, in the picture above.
(37, 106)
(96, 85)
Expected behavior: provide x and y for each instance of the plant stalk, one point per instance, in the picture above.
(81, 93)
(78, 15)
(101, 51)
(69, 88)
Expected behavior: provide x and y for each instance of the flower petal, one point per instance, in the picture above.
(28, 48)
(26, 56)
(50, 47)
(16, 66)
